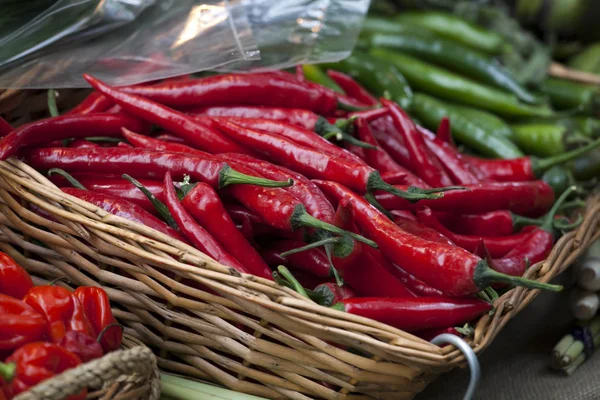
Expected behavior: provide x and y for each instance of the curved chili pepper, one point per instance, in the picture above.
(450, 269)
(81, 144)
(265, 89)
(532, 198)
(313, 261)
(497, 246)
(391, 141)
(94, 103)
(125, 209)
(381, 160)
(565, 94)
(491, 224)
(14, 280)
(454, 165)
(96, 304)
(417, 313)
(65, 127)
(62, 310)
(422, 230)
(413, 284)
(178, 123)
(5, 127)
(20, 323)
(34, 363)
(203, 203)
(294, 116)
(296, 134)
(315, 164)
(196, 234)
(170, 138)
(83, 346)
(352, 88)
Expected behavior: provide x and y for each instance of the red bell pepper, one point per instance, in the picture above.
(96, 304)
(14, 280)
(20, 323)
(83, 346)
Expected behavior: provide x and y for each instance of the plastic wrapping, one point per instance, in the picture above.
(126, 42)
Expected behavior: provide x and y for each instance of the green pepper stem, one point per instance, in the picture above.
(8, 371)
(74, 182)
(413, 194)
(520, 221)
(339, 306)
(106, 328)
(229, 176)
(52, 107)
(322, 295)
(373, 200)
(160, 207)
(296, 286)
(301, 218)
(548, 220)
(568, 226)
(539, 166)
(319, 243)
(329, 131)
(485, 276)
(349, 107)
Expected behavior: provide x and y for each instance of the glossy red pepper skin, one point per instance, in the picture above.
(415, 314)
(65, 127)
(5, 127)
(186, 127)
(447, 268)
(352, 88)
(314, 261)
(491, 224)
(307, 161)
(455, 166)
(125, 209)
(380, 159)
(81, 144)
(62, 310)
(96, 304)
(388, 138)
(36, 362)
(514, 170)
(20, 323)
(204, 204)
(421, 160)
(170, 138)
(496, 246)
(83, 346)
(414, 285)
(266, 89)
(196, 234)
(422, 230)
(533, 250)
(295, 134)
(14, 280)
(94, 103)
(524, 198)
(295, 116)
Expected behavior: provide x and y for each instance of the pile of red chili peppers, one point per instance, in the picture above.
(371, 212)
(45, 330)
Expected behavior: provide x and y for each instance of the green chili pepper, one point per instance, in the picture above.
(456, 57)
(431, 111)
(448, 85)
(455, 28)
(374, 25)
(587, 166)
(588, 126)
(488, 121)
(570, 95)
(559, 179)
(546, 140)
(315, 74)
(376, 75)
(588, 60)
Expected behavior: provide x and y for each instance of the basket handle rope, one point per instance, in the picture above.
(138, 361)
(470, 356)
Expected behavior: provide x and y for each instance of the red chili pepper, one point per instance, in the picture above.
(312, 163)
(96, 304)
(196, 234)
(421, 160)
(415, 314)
(454, 164)
(81, 144)
(450, 269)
(372, 114)
(178, 123)
(380, 159)
(429, 334)
(5, 127)
(293, 116)
(403, 214)
(496, 246)
(62, 310)
(65, 127)
(94, 103)
(295, 134)
(125, 209)
(397, 178)
(413, 284)
(491, 224)
(524, 198)
(34, 363)
(170, 138)
(14, 280)
(266, 89)
(388, 138)
(83, 346)
(204, 204)
(444, 133)
(313, 261)
(20, 323)
(352, 88)
(422, 230)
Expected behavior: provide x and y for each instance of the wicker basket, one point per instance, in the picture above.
(127, 374)
(256, 337)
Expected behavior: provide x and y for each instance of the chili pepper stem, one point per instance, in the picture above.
(160, 207)
(414, 194)
(520, 221)
(484, 276)
(229, 176)
(371, 199)
(339, 307)
(7, 371)
(74, 182)
(328, 131)
(539, 166)
(296, 286)
(548, 219)
(301, 218)
(572, 225)
(328, 241)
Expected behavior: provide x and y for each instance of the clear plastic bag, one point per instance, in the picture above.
(126, 42)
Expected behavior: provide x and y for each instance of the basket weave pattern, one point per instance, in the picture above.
(254, 337)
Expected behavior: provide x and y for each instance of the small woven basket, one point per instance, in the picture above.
(127, 374)
(254, 336)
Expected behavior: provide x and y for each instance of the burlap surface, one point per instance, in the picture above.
(515, 366)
